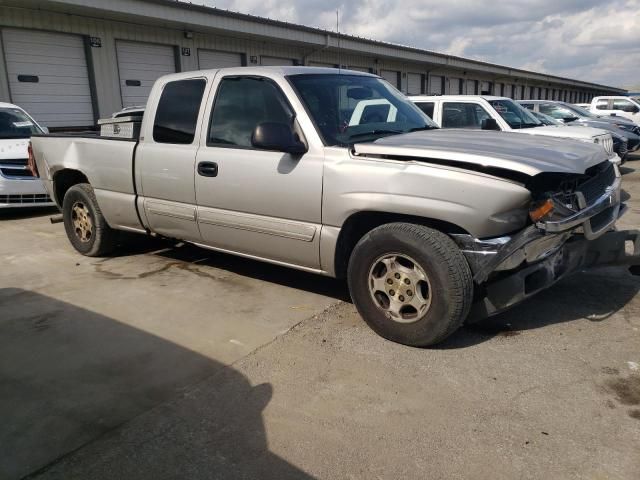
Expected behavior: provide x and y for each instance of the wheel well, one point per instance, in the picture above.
(358, 224)
(64, 180)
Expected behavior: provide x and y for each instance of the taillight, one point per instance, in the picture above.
(31, 162)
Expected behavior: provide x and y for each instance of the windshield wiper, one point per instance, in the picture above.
(375, 132)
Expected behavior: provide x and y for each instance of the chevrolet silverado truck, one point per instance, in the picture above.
(430, 227)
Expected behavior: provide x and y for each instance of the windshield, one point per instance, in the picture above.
(14, 123)
(579, 110)
(546, 119)
(515, 115)
(355, 108)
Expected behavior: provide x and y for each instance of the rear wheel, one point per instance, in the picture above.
(410, 283)
(84, 223)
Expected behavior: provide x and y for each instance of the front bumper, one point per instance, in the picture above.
(23, 192)
(576, 254)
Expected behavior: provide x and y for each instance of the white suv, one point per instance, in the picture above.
(624, 106)
(501, 113)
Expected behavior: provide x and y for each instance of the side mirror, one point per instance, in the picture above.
(569, 119)
(277, 136)
(489, 124)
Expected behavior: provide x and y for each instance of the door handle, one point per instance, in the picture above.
(208, 169)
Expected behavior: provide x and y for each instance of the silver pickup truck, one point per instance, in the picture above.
(430, 227)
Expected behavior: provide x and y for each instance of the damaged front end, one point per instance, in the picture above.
(571, 229)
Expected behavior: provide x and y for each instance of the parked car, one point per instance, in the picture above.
(425, 224)
(620, 143)
(500, 113)
(576, 116)
(18, 186)
(617, 105)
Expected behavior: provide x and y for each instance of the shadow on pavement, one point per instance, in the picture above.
(594, 296)
(23, 212)
(71, 377)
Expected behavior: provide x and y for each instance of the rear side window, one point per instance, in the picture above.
(426, 107)
(177, 112)
(602, 105)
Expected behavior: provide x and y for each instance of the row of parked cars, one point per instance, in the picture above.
(337, 173)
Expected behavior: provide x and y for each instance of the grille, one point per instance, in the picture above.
(24, 199)
(14, 167)
(607, 143)
(593, 188)
(14, 161)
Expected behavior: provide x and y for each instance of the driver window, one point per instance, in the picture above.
(241, 104)
(624, 105)
(602, 105)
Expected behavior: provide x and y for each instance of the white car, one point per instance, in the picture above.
(501, 113)
(616, 105)
(18, 186)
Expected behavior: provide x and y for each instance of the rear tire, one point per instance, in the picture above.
(411, 284)
(84, 223)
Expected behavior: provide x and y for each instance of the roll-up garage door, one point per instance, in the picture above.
(359, 69)
(391, 76)
(323, 64)
(414, 83)
(456, 86)
(215, 59)
(276, 61)
(48, 76)
(471, 87)
(436, 85)
(507, 90)
(486, 88)
(139, 66)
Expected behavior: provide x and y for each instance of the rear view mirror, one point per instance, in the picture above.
(279, 137)
(489, 124)
(359, 93)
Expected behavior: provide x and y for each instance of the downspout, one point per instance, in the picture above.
(324, 47)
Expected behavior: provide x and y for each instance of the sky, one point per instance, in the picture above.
(590, 40)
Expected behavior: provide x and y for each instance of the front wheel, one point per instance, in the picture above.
(84, 223)
(410, 283)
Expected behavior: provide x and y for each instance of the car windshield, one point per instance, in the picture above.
(579, 111)
(515, 115)
(356, 108)
(546, 119)
(14, 123)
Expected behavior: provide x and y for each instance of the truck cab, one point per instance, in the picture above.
(627, 107)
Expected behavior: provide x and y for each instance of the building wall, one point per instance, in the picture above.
(103, 60)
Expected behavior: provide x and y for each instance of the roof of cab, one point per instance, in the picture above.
(454, 97)
(259, 70)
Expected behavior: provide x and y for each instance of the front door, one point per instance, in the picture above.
(255, 202)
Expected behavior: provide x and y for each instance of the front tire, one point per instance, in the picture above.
(84, 223)
(411, 284)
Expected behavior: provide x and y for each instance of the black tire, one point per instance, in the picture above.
(102, 238)
(447, 270)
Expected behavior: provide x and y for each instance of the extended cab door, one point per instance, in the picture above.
(166, 156)
(255, 202)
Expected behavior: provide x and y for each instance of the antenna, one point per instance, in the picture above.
(338, 36)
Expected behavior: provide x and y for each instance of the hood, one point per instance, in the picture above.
(566, 131)
(614, 119)
(505, 150)
(13, 148)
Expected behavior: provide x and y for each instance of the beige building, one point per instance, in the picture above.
(70, 62)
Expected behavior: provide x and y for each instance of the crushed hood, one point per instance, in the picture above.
(525, 154)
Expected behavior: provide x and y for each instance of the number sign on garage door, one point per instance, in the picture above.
(215, 59)
(139, 66)
(48, 76)
(275, 61)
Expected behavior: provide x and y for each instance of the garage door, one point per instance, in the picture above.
(139, 66)
(436, 87)
(414, 83)
(276, 61)
(215, 59)
(359, 69)
(48, 76)
(391, 76)
(323, 64)
(456, 86)
(470, 87)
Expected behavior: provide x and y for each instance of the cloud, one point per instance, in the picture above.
(591, 40)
